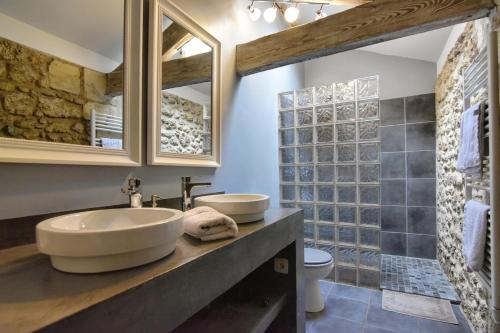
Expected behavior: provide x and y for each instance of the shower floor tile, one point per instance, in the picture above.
(416, 276)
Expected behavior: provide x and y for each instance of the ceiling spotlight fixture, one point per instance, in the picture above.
(320, 14)
(292, 14)
(253, 12)
(270, 13)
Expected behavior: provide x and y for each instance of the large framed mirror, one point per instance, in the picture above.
(70, 81)
(184, 96)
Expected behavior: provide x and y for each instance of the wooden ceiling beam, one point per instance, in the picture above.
(371, 23)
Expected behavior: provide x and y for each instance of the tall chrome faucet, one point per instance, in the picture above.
(186, 188)
(133, 192)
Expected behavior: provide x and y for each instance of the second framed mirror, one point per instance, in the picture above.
(184, 91)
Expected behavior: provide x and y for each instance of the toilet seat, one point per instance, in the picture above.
(316, 258)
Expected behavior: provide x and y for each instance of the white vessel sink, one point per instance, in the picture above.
(108, 240)
(243, 208)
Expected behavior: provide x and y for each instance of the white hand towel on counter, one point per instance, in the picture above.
(474, 238)
(112, 143)
(208, 224)
(469, 153)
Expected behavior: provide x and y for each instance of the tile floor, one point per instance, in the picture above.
(416, 276)
(359, 310)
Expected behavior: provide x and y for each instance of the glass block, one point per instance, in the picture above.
(325, 193)
(287, 155)
(369, 278)
(346, 214)
(325, 154)
(286, 119)
(308, 211)
(369, 195)
(344, 91)
(346, 153)
(306, 174)
(304, 97)
(346, 194)
(368, 109)
(287, 137)
(304, 117)
(305, 154)
(288, 192)
(368, 87)
(309, 230)
(326, 213)
(345, 275)
(287, 205)
(324, 94)
(286, 100)
(346, 173)
(305, 135)
(369, 216)
(347, 235)
(369, 173)
(306, 193)
(346, 132)
(368, 130)
(324, 114)
(324, 134)
(346, 111)
(347, 255)
(369, 237)
(325, 173)
(369, 258)
(287, 174)
(326, 233)
(369, 152)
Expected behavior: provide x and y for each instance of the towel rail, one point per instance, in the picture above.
(104, 123)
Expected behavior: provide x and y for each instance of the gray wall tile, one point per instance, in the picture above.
(394, 192)
(392, 112)
(421, 136)
(421, 164)
(393, 218)
(392, 138)
(393, 243)
(422, 246)
(420, 108)
(422, 220)
(392, 166)
(421, 192)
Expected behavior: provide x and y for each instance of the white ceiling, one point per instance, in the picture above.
(93, 24)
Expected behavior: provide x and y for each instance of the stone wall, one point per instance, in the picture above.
(450, 189)
(181, 125)
(48, 99)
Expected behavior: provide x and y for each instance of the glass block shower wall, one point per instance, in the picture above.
(330, 167)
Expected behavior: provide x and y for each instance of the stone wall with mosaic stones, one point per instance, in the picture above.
(450, 191)
(181, 125)
(48, 99)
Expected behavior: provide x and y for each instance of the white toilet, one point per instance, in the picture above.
(318, 264)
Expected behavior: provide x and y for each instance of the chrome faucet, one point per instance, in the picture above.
(133, 192)
(154, 200)
(186, 188)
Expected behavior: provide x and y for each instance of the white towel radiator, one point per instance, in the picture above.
(106, 123)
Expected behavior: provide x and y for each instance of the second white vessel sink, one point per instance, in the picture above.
(243, 208)
(108, 240)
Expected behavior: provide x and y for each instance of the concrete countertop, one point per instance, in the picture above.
(34, 296)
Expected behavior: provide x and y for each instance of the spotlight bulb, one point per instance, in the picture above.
(253, 13)
(270, 14)
(291, 14)
(319, 15)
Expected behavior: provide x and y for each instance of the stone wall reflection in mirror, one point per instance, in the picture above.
(61, 78)
(186, 93)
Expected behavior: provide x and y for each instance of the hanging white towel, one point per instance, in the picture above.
(474, 238)
(470, 152)
(112, 143)
(208, 224)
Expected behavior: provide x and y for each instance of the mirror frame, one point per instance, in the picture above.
(157, 9)
(42, 152)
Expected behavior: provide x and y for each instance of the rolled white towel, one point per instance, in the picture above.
(208, 224)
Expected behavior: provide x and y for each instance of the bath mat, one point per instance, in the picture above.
(419, 306)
